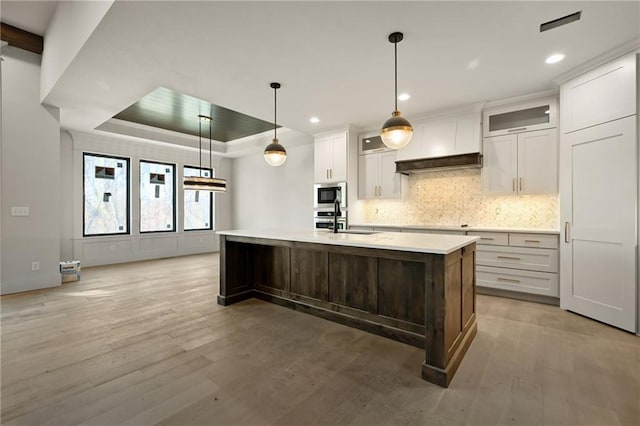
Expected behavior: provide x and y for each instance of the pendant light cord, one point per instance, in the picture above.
(275, 112)
(395, 65)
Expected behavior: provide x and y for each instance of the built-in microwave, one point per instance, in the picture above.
(325, 194)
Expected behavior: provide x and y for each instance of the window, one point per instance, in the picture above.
(198, 204)
(106, 195)
(157, 197)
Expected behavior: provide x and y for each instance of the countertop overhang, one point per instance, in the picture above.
(405, 241)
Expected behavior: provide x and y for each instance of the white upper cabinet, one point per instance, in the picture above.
(500, 167)
(526, 163)
(439, 137)
(525, 117)
(538, 162)
(605, 94)
(330, 158)
(377, 177)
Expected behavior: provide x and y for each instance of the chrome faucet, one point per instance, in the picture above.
(336, 214)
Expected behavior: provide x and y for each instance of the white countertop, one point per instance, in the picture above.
(459, 228)
(402, 241)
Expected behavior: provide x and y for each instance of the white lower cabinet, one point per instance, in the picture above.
(543, 283)
(520, 262)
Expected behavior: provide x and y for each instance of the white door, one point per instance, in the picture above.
(538, 162)
(389, 179)
(500, 164)
(599, 187)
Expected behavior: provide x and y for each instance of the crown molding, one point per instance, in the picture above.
(626, 48)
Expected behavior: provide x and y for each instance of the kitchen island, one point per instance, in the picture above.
(415, 288)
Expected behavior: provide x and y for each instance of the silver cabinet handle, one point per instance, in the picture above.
(532, 241)
(513, 185)
(521, 129)
(566, 232)
(508, 257)
(508, 280)
(331, 173)
(520, 184)
(486, 238)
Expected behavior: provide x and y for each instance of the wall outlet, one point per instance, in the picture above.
(35, 266)
(19, 211)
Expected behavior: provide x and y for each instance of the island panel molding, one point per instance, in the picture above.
(416, 297)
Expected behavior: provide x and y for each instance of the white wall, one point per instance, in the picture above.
(30, 175)
(70, 27)
(266, 197)
(135, 246)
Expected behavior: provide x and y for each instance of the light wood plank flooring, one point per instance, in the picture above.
(146, 343)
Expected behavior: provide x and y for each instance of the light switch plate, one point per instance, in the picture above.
(19, 211)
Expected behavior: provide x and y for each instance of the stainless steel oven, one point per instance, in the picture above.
(320, 223)
(324, 194)
(323, 219)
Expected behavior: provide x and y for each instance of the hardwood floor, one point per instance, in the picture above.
(146, 343)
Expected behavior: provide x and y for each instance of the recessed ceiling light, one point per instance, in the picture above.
(404, 97)
(314, 120)
(556, 57)
(548, 111)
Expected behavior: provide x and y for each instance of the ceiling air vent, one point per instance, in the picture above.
(560, 21)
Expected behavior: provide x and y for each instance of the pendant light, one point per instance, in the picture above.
(274, 154)
(397, 131)
(201, 183)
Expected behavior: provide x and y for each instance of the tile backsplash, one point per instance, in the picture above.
(455, 197)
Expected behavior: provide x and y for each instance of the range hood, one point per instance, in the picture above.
(449, 162)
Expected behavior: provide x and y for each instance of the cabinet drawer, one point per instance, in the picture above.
(533, 240)
(543, 283)
(491, 238)
(544, 260)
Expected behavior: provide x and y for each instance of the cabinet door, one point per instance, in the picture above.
(538, 162)
(368, 176)
(389, 179)
(602, 95)
(500, 164)
(338, 169)
(525, 117)
(599, 190)
(322, 159)
(467, 134)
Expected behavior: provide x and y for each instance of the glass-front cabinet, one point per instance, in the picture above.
(525, 117)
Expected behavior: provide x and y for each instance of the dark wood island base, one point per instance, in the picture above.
(422, 299)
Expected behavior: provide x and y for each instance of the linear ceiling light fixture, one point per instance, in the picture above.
(397, 131)
(274, 154)
(202, 183)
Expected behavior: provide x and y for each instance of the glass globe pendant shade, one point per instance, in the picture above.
(275, 154)
(396, 132)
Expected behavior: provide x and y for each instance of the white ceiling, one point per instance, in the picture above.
(333, 58)
(29, 15)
